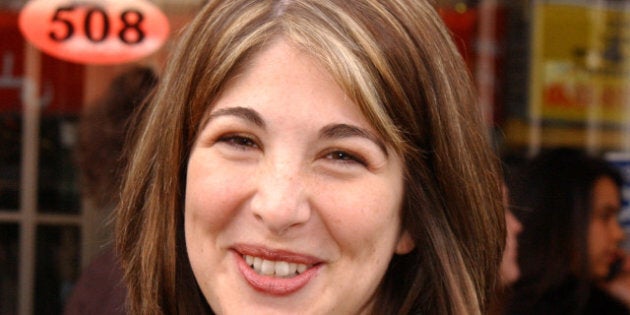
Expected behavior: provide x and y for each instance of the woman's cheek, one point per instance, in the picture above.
(359, 213)
(213, 193)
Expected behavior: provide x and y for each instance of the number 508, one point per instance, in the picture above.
(130, 33)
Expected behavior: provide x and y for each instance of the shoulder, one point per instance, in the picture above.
(100, 288)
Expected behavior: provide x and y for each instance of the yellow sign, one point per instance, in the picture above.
(581, 63)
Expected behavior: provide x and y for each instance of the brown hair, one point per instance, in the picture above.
(395, 59)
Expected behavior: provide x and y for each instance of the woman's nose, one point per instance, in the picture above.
(280, 201)
(512, 223)
(618, 232)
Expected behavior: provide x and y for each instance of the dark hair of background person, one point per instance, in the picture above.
(553, 197)
(101, 159)
(102, 133)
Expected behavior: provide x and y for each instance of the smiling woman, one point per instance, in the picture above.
(293, 161)
(286, 172)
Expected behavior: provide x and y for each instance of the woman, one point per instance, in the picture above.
(570, 235)
(509, 271)
(312, 157)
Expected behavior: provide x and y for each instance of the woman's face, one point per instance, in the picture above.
(292, 200)
(605, 233)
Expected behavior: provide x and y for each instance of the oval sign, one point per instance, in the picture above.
(94, 31)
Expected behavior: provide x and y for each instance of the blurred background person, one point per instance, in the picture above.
(509, 271)
(618, 282)
(570, 236)
(101, 161)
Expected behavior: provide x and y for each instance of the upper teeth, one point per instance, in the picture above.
(274, 268)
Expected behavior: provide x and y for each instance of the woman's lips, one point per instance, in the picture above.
(275, 272)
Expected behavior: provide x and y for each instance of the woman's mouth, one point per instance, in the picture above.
(281, 269)
(275, 272)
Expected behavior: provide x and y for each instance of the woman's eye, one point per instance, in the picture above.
(241, 142)
(344, 157)
(608, 216)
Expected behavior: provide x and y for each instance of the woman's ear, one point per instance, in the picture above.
(405, 244)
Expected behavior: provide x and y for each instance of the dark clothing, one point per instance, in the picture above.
(600, 302)
(567, 300)
(100, 289)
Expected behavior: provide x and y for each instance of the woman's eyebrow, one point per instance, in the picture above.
(337, 131)
(244, 113)
(332, 131)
